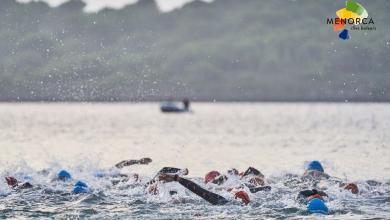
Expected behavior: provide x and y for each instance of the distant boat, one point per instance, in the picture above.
(172, 107)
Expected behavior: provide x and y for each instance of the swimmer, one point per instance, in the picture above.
(152, 185)
(15, 184)
(307, 195)
(315, 171)
(62, 175)
(125, 163)
(251, 178)
(119, 177)
(315, 201)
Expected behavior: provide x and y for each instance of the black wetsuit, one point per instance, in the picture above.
(260, 188)
(169, 170)
(252, 171)
(303, 195)
(210, 197)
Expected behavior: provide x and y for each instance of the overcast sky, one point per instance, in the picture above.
(96, 5)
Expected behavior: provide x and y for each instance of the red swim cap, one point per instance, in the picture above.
(315, 196)
(352, 187)
(11, 181)
(210, 176)
(243, 196)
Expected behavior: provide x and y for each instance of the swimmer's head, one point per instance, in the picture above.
(351, 187)
(211, 176)
(81, 184)
(317, 206)
(243, 196)
(64, 175)
(315, 165)
(145, 161)
(80, 187)
(11, 181)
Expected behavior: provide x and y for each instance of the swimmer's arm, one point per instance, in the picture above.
(172, 170)
(162, 171)
(168, 170)
(261, 188)
(210, 197)
(126, 163)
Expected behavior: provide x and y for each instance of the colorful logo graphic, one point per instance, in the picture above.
(353, 14)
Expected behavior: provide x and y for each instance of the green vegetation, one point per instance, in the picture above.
(228, 50)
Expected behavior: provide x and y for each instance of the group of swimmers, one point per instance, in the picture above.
(239, 184)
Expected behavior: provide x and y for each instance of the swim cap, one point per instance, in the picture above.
(210, 176)
(315, 165)
(81, 184)
(317, 206)
(64, 175)
(80, 187)
(243, 196)
(11, 181)
(352, 187)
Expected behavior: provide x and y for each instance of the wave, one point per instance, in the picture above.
(129, 199)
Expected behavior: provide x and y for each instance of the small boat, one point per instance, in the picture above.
(172, 107)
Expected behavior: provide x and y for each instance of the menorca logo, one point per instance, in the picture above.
(354, 14)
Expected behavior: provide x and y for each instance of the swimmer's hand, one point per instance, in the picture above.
(145, 161)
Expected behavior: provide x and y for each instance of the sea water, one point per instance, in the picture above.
(351, 140)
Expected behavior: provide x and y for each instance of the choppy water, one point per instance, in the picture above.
(352, 140)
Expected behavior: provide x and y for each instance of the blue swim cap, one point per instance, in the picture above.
(81, 184)
(315, 165)
(317, 206)
(64, 175)
(80, 187)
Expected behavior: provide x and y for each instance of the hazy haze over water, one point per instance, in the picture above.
(272, 137)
